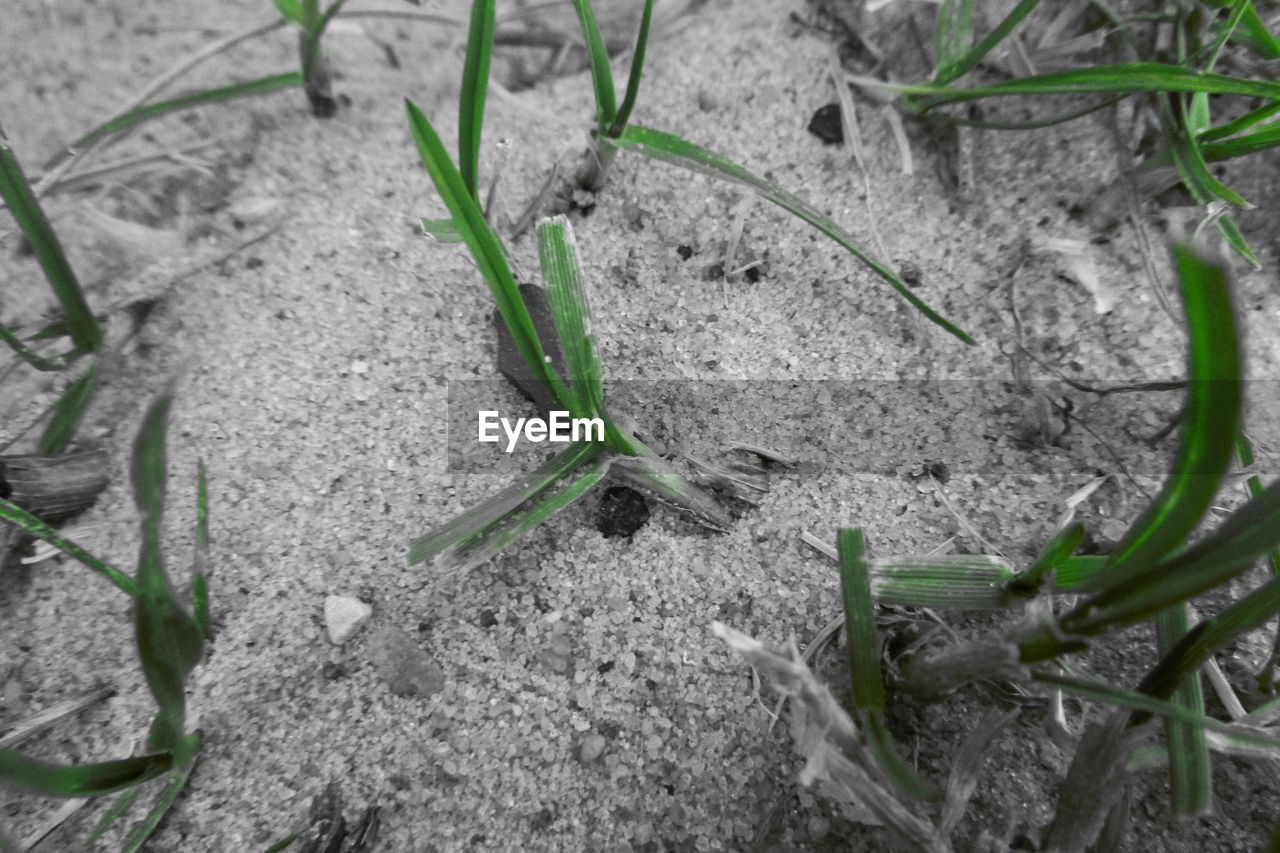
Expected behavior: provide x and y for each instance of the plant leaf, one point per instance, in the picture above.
(248, 88)
(562, 274)
(475, 84)
(633, 78)
(957, 66)
(184, 762)
(15, 514)
(487, 250)
(27, 212)
(169, 639)
(290, 10)
(79, 780)
(69, 412)
(1209, 428)
(200, 561)
(864, 667)
(673, 149)
(954, 35)
(503, 517)
(601, 74)
(1190, 773)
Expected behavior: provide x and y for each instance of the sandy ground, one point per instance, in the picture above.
(582, 702)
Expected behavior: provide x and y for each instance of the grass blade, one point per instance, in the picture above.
(169, 640)
(485, 530)
(476, 523)
(1194, 648)
(1118, 78)
(184, 762)
(1248, 736)
(954, 36)
(248, 88)
(864, 667)
(68, 412)
(290, 10)
(562, 274)
(441, 230)
(82, 326)
(601, 74)
(633, 78)
(33, 358)
(1053, 557)
(15, 514)
(81, 780)
(960, 65)
(1190, 779)
(487, 250)
(475, 84)
(673, 149)
(651, 475)
(1210, 422)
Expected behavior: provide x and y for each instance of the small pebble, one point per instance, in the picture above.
(403, 665)
(343, 616)
(592, 747)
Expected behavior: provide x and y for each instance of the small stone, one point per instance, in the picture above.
(622, 512)
(343, 616)
(592, 747)
(403, 665)
(826, 125)
(488, 619)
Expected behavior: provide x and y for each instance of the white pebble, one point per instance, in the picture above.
(343, 616)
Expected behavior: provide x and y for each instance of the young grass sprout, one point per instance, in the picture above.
(170, 642)
(485, 530)
(1151, 574)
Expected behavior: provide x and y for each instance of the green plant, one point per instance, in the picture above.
(614, 132)
(170, 643)
(485, 530)
(1150, 575)
(1179, 90)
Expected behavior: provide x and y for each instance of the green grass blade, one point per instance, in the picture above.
(118, 809)
(441, 230)
(1247, 120)
(954, 36)
(1119, 78)
(1132, 699)
(950, 581)
(21, 201)
(1190, 773)
(1255, 35)
(651, 475)
(33, 358)
(601, 74)
(487, 251)
(249, 88)
(485, 530)
(81, 780)
(864, 667)
(169, 640)
(964, 64)
(562, 274)
(68, 412)
(619, 122)
(1053, 557)
(290, 10)
(200, 562)
(1210, 635)
(672, 149)
(475, 84)
(476, 522)
(1248, 534)
(184, 762)
(1210, 423)
(17, 515)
